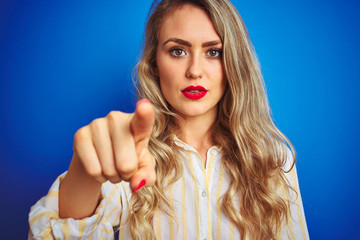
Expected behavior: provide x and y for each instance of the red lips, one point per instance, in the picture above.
(194, 92)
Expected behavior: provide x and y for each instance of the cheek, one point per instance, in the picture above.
(165, 79)
(167, 70)
(166, 85)
(218, 71)
(167, 75)
(162, 67)
(215, 68)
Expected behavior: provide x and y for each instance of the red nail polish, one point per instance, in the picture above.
(141, 184)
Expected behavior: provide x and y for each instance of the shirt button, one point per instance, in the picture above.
(204, 195)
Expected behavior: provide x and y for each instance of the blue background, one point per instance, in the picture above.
(64, 63)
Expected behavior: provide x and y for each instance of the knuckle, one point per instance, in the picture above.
(126, 168)
(115, 118)
(97, 124)
(110, 174)
(115, 180)
(80, 135)
(93, 172)
(114, 115)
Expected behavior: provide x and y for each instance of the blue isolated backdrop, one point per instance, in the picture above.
(64, 63)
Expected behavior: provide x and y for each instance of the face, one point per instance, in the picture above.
(189, 63)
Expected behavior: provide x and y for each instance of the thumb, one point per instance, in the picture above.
(142, 121)
(146, 174)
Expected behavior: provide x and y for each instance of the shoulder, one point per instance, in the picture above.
(289, 159)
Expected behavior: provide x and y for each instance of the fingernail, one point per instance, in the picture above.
(142, 100)
(141, 184)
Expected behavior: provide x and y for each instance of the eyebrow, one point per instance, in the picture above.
(186, 43)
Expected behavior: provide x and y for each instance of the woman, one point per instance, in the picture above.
(199, 159)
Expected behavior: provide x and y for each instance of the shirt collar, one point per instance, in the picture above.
(188, 147)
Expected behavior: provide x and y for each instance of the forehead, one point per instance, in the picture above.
(188, 22)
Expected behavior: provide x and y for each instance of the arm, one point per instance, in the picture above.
(45, 223)
(83, 190)
(112, 149)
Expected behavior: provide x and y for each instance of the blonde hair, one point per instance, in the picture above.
(254, 150)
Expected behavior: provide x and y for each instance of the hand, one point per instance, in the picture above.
(115, 147)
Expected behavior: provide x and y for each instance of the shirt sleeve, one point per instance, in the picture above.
(45, 223)
(296, 227)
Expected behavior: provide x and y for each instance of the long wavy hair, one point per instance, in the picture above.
(254, 150)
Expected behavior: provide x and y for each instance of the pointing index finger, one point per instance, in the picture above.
(142, 121)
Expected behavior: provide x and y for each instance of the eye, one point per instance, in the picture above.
(214, 53)
(177, 52)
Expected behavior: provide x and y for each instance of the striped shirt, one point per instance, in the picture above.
(195, 199)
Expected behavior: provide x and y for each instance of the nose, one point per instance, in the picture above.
(194, 70)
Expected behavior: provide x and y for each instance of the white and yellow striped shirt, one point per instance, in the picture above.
(194, 196)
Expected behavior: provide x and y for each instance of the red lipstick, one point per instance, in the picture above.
(194, 92)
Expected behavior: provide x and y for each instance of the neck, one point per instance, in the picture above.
(196, 131)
